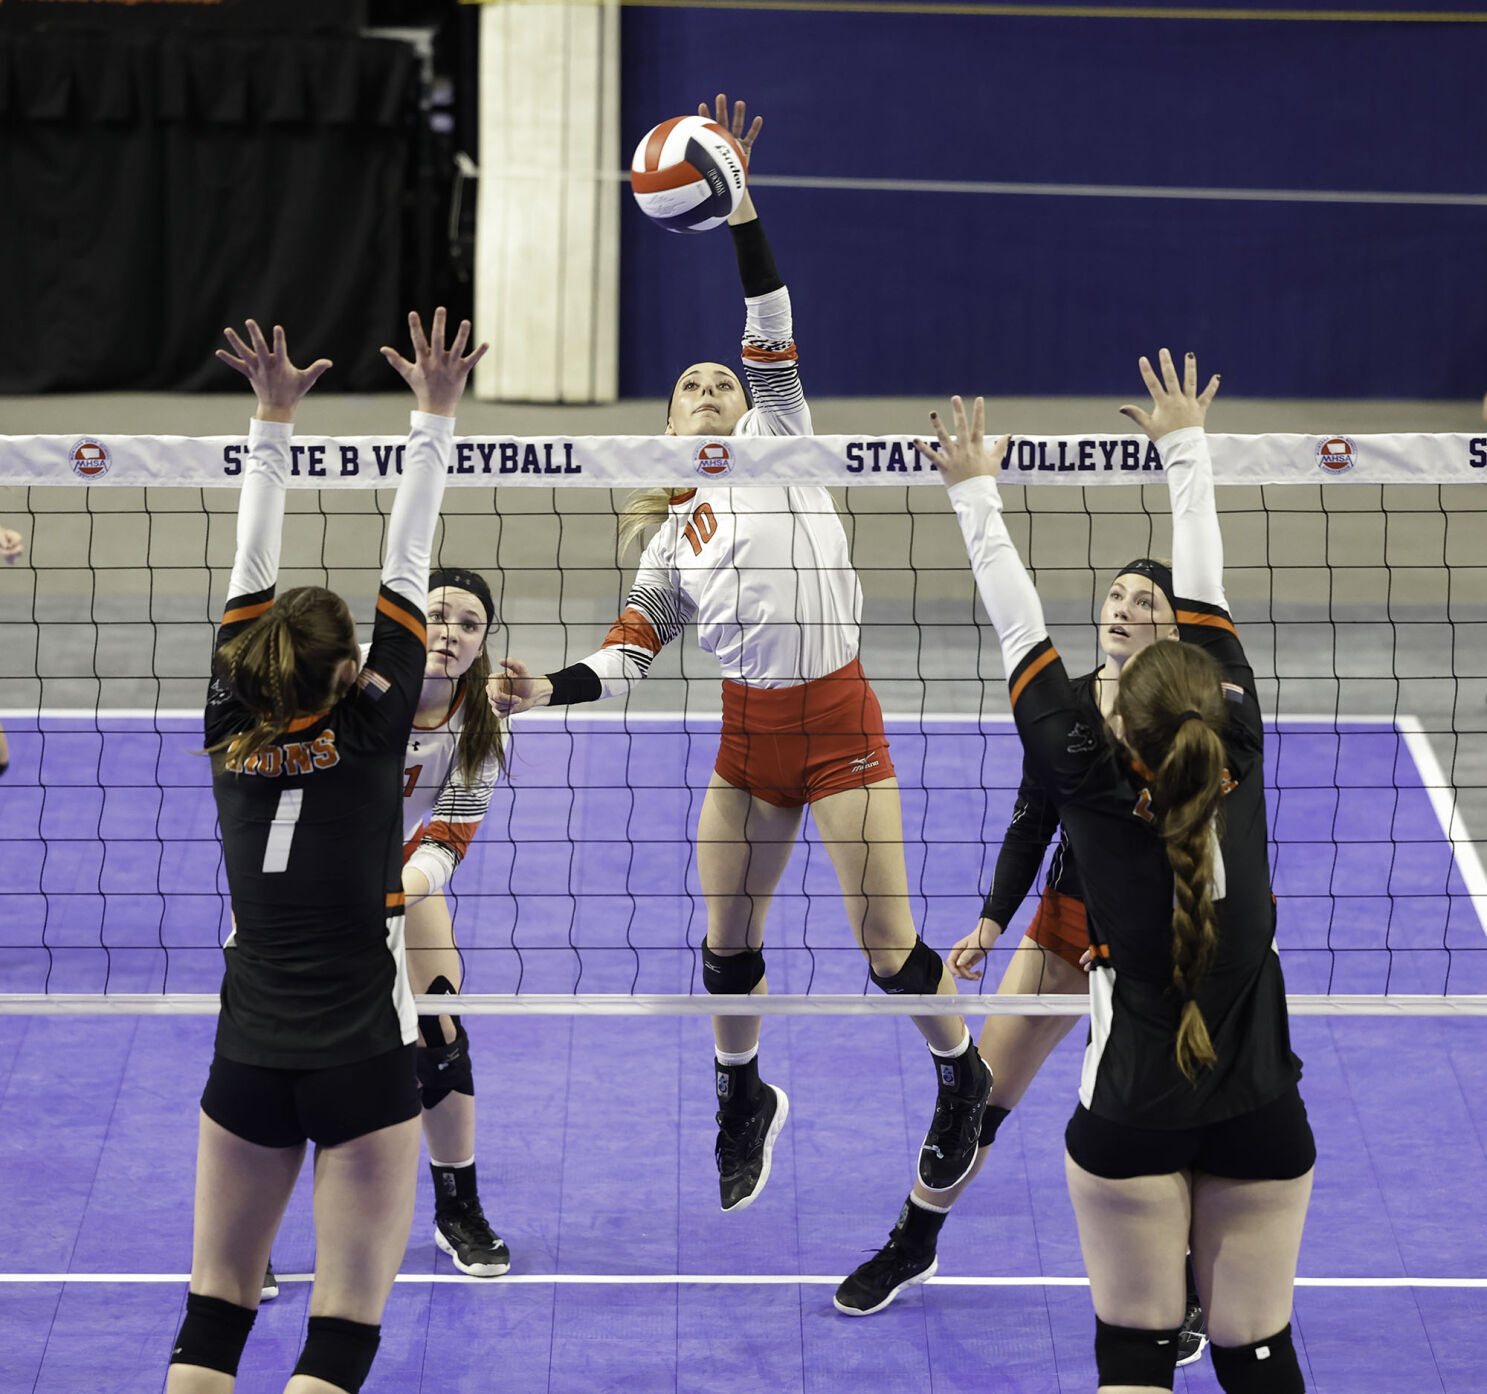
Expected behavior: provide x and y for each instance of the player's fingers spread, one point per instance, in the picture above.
(1149, 377)
(1001, 447)
(279, 350)
(1169, 370)
(928, 451)
(978, 420)
(437, 330)
(1211, 391)
(236, 364)
(739, 112)
(1190, 375)
(461, 338)
(720, 106)
(473, 358)
(238, 346)
(255, 336)
(313, 372)
(416, 334)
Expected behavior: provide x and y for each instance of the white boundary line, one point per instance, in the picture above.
(1442, 795)
(705, 1280)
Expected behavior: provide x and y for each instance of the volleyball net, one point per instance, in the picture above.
(1355, 567)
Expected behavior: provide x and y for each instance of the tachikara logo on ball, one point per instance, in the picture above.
(713, 459)
(90, 458)
(1337, 455)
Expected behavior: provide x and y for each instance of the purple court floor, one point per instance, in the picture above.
(595, 1134)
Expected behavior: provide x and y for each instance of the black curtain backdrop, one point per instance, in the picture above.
(154, 189)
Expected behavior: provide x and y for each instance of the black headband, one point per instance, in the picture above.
(470, 581)
(1158, 573)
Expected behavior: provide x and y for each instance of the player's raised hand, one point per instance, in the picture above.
(735, 124)
(965, 958)
(277, 383)
(12, 546)
(1174, 405)
(963, 455)
(516, 689)
(437, 374)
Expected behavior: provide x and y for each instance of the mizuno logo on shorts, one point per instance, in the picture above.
(864, 763)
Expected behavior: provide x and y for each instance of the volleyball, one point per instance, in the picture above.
(688, 174)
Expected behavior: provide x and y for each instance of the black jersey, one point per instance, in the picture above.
(1130, 1068)
(312, 836)
(1032, 826)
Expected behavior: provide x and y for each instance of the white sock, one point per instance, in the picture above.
(950, 1054)
(740, 1057)
(453, 1166)
(925, 1205)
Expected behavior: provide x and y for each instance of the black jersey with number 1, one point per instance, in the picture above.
(312, 826)
(1130, 1070)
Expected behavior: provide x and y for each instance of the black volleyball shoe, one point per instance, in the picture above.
(954, 1135)
(463, 1232)
(745, 1147)
(871, 1286)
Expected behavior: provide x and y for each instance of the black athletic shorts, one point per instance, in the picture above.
(283, 1108)
(1273, 1143)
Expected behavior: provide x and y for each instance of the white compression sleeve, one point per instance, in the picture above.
(260, 529)
(415, 511)
(1006, 588)
(1197, 541)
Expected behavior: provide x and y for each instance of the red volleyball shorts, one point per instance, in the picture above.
(1060, 926)
(793, 745)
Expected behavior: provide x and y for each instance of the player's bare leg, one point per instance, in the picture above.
(862, 830)
(447, 1081)
(242, 1190)
(743, 846)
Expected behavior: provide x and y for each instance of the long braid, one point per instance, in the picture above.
(1162, 690)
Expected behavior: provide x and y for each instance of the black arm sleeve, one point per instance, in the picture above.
(577, 683)
(1034, 822)
(756, 268)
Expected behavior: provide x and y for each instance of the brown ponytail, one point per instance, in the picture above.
(480, 732)
(285, 663)
(1162, 689)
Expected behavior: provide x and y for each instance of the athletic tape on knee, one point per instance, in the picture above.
(732, 973)
(1130, 1355)
(443, 1068)
(920, 974)
(339, 1351)
(213, 1334)
(1267, 1367)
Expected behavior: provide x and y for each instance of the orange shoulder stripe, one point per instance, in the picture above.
(1205, 619)
(395, 900)
(247, 612)
(632, 628)
(409, 622)
(1031, 671)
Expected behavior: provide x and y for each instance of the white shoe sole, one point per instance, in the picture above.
(907, 1283)
(475, 1270)
(1197, 1354)
(782, 1112)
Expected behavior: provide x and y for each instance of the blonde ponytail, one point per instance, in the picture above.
(642, 509)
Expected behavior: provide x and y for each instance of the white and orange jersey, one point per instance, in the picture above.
(442, 809)
(766, 573)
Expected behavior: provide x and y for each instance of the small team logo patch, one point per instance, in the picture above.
(372, 683)
(1337, 456)
(947, 1076)
(90, 458)
(725, 1085)
(1081, 739)
(713, 459)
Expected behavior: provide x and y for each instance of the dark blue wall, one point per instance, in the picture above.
(906, 293)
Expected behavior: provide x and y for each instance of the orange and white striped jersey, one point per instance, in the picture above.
(766, 573)
(442, 810)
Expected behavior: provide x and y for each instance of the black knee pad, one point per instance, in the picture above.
(733, 973)
(443, 1066)
(339, 1351)
(213, 1334)
(920, 974)
(1129, 1355)
(1267, 1367)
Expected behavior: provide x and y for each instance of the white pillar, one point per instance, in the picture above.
(547, 215)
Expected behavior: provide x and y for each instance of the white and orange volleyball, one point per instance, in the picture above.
(688, 174)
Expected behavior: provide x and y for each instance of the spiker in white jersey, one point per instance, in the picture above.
(688, 174)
